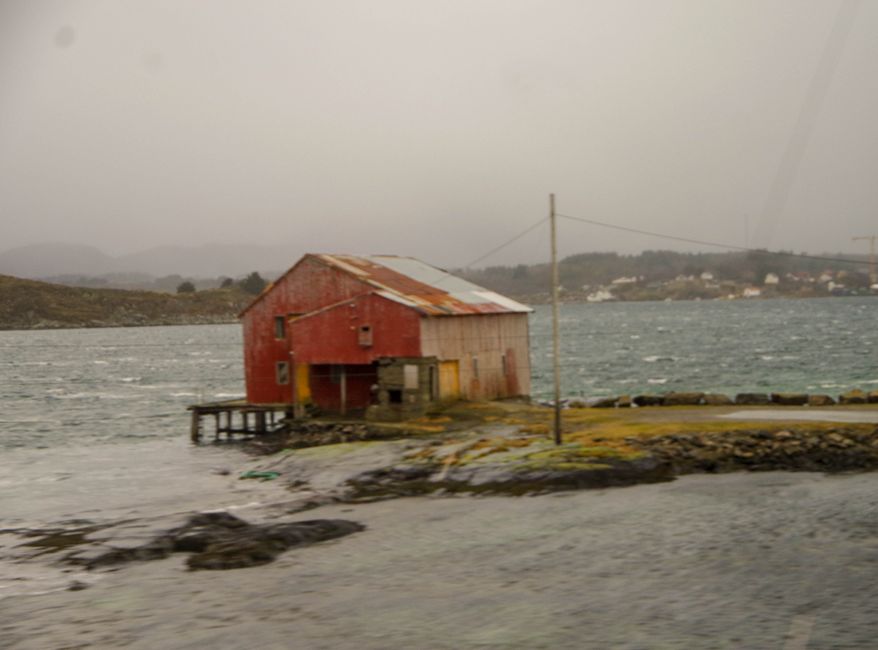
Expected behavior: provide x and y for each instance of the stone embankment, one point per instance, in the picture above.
(855, 396)
(837, 450)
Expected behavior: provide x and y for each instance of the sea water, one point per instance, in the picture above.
(89, 386)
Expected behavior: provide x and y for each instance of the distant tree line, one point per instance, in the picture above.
(252, 284)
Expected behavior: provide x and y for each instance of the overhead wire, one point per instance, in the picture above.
(702, 242)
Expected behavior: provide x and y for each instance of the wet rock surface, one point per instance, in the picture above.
(219, 540)
(506, 478)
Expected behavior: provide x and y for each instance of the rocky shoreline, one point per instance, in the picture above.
(476, 450)
(855, 396)
(653, 459)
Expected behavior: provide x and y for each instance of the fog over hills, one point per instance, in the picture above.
(208, 261)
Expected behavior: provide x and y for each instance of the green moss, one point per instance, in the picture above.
(332, 451)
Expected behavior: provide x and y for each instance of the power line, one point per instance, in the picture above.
(512, 240)
(702, 242)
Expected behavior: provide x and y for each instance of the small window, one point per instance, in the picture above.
(503, 363)
(410, 377)
(364, 335)
(476, 367)
(394, 396)
(282, 370)
(280, 327)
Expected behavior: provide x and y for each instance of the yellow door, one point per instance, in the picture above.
(449, 380)
(303, 383)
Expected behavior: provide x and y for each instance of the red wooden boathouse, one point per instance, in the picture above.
(347, 332)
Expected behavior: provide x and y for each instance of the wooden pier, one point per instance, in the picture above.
(239, 417)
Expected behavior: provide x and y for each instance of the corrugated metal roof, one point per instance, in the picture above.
(431, 290)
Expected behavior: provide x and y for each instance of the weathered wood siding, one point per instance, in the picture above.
(492, 351)
(309, 285)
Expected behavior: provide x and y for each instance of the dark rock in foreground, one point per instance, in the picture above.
(218, 540)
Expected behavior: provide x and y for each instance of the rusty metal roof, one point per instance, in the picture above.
(430, 290)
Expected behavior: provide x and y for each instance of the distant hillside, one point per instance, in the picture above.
(28, 304)
(206, 261)
(43, 260)
(591, 270)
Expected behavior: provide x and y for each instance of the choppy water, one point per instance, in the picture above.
(88, 386)
(93, 428)
(818, 346)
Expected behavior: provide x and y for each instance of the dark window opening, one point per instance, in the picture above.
(282, 372)
(280, 330)
(395, 396)
(364, 335)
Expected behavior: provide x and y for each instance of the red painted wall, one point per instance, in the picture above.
(309, 285)
(326, 393)
(332, 335)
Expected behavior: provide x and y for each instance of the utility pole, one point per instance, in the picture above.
(556, 347)
(873, 274)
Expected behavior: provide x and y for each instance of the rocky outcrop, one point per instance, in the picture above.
(820, 400)
(648, 400)
(219, 540)
(872, 397)
(504, 478)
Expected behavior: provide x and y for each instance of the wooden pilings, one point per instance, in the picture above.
(237, 417)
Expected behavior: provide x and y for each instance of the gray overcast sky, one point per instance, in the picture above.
(434, 129)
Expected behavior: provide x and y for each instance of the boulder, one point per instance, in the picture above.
(789, 399)
(820, 400)
(752, 399)
(717, 399)
(647, 400)
(682, 399)
(872, 397)
(855, 396)
(624, 402)
(604, 402)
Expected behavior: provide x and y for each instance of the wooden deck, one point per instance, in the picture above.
(237, 416)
